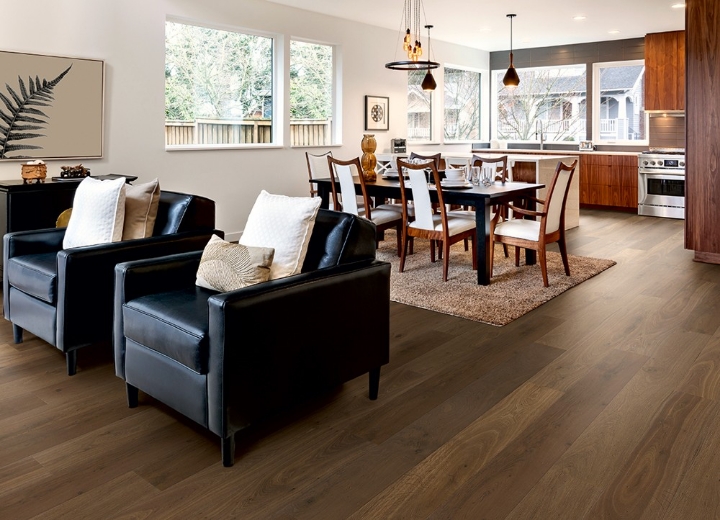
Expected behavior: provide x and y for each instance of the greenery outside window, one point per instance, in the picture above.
(311, 94)
(462, 105)
(419, 124)
(551, 100)
(218, 87)
(619, 103)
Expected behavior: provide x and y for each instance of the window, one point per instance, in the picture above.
(218, 87)
(619, 102)
(419, 108)
(462, 105)
(311, 94)
(551, 100)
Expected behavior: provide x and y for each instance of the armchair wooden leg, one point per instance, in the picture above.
(374, 383)
(227, 450)
(563, 254)
(17, 334)
(71, 362)
(446, 259)
(403, 250)
(132, 395)
(399, 239)
(517, 256)
(543, 265)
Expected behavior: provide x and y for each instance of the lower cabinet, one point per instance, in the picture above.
(609, 180)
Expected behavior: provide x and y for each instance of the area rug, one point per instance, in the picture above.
(513, 291)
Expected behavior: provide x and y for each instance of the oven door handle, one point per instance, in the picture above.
(661, 174)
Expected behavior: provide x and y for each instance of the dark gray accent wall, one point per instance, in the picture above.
(587, 53)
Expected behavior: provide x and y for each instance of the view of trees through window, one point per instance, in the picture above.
(218, 86)
(551, 99)
(419, 108)
(311, 89)
(462, 105)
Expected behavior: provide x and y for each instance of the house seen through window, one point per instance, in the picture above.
(218, 87)
(620, 102)
(419, 127)
(551, 100)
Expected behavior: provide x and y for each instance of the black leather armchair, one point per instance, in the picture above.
(65, 296)
(227, 359)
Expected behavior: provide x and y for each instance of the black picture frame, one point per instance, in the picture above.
(377, 113)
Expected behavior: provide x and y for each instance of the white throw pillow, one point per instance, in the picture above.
(284, 224)
(98, 213)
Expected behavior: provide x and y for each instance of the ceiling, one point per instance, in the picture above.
(483, 24)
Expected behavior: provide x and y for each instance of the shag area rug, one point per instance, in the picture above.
(513, 291)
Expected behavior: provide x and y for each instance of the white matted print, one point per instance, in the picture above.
(377, 113)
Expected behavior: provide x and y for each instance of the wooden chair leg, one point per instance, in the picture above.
(432, 251)
(543, 265)
(440, 249)
(446, 259)
(474, 255)
(517, 256)
(505, 249)
(563, 254)
(399, 238)
(403, 250)
(466, 244)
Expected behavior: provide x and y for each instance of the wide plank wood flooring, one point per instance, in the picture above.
(603, 403)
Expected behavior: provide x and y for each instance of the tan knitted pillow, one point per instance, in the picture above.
(225, 266)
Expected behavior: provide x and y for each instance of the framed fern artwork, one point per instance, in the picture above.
(51, 107)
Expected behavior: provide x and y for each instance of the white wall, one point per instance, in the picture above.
(129, 36)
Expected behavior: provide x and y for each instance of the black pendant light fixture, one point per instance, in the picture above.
(511, 78)
(412, 45)
(428, 82)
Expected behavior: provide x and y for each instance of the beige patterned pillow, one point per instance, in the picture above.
(225, 266)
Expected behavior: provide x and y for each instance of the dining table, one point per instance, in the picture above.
(482, 198)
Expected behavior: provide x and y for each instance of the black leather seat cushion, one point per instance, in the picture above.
(172, 323)
(35, 275)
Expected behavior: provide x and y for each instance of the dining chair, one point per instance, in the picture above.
(347, 172)
(428, 224)
(434, 157)
(501, 165)
(536, 234)
(317, 168)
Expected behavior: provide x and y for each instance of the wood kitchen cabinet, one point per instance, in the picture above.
(609, 180)
(665, 71)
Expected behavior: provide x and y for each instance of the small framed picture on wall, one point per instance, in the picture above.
(377, 113)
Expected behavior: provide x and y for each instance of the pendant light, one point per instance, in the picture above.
(411, 44)
(511, 78)
(428, 82)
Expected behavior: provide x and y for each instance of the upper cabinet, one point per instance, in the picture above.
(665, 71)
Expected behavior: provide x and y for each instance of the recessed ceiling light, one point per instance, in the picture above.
(677, 6)
(614, 31)
(579, 17)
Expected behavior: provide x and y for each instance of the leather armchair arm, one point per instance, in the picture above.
(300, 333)
(86, 280)
(21, 243)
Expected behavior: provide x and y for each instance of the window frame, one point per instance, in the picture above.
(597, 100)
(494, 103)
(335, 97)
(480, 106)
(430, 139)
(278, 86)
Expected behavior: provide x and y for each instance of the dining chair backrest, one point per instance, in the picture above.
(318, 165)
(500, 162)
(434, 157)
(421, 199)
(557, 196)
(345, 174)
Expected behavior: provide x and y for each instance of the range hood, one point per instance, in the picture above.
(665, 113)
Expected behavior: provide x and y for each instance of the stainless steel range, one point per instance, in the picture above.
(661, 183)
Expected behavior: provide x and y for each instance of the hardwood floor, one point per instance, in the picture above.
(602, 403)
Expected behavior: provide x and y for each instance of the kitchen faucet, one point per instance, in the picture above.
(538, 123)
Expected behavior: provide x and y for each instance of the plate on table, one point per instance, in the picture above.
(391, 175)
(455, 185)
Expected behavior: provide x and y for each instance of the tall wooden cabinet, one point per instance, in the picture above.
(665, 71)
(702, 154)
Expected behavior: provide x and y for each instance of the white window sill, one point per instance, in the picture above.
(334, 145)
(422, 143)
(208, 147)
